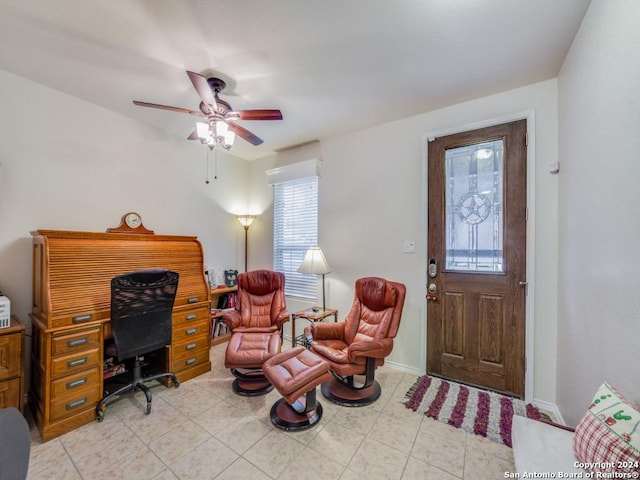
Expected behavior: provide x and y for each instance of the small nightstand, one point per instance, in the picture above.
(315, 314)
(12, 365)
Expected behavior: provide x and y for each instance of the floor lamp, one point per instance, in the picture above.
(315, 262)
(246, 221)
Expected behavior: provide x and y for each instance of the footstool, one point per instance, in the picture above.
(246, 352)
(296, 373)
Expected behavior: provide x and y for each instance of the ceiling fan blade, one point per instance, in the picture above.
(193, 135)
(244, 133)
(256, 114)
(165, 107)
(202, 87)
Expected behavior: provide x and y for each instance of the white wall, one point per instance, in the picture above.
(69, 165)
(599, 124)
(371, 200)
(88, 165)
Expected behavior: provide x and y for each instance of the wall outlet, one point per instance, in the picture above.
(409, 246)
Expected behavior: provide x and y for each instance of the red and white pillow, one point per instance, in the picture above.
(607, 439)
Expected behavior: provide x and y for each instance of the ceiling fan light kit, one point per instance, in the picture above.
(218, 128)
(215, 132)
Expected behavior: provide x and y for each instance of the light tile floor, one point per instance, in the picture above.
(202, 430)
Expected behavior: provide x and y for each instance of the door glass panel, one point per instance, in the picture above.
(474, 208)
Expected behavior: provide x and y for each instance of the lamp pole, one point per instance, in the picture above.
(246, 240)
(324, 307)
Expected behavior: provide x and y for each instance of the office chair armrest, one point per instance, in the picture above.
(282, 318)
(370, 348)
(327, 331)
(232, 319)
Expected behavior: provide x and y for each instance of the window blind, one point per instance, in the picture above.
(295, 229)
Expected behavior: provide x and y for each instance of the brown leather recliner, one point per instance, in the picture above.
(256, 329)
(360, 344)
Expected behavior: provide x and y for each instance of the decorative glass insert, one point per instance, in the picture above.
(474, 208)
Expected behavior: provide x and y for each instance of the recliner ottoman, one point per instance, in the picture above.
(296, 373)
(246, 352)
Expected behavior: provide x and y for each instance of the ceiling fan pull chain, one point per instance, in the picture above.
(207, 180)
(215, 165)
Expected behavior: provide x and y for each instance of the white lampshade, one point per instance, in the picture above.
(229, 138)
(203, 130)
(221, 128)
(314, 262)
(246, 220)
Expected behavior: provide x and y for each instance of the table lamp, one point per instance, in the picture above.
(315, 262)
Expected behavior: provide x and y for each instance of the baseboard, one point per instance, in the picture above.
(551, 408)
(403, 368)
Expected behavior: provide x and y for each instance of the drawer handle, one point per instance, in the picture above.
(191, 346)
(79, 341)
(191, 331)
(82, 318)
(75, 404)
(75, 363)
(191, 317)
(76, 383)
(192, 300)
(191, 361)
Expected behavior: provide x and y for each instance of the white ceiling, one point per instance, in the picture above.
(331, 66)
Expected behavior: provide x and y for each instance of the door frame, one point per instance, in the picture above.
(529, 116)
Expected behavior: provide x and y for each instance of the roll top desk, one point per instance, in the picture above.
(72, 274)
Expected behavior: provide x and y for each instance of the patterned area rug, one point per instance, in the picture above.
(481, 412)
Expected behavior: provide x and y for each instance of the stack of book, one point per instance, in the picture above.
(110, 368)
(225, 303)
(219, 327)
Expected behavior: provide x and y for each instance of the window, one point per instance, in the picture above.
(295, 229)
(474, 207)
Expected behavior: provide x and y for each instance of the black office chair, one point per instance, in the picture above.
(141, 307)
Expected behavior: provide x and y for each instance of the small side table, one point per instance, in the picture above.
(315, 314)
(12, 365)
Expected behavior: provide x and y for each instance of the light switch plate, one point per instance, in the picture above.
(409, 246)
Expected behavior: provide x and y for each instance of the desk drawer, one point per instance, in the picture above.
(185, 333)
(78, 318)
(72, 404)
(76, 362)
(197, 357)
(189, 317)
(74, 342)
(69, 385)
(190, 347)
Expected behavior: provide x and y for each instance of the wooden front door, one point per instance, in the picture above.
(476, 277)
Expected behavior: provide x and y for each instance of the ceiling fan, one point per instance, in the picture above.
(218, 114)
